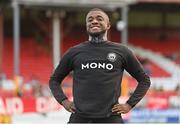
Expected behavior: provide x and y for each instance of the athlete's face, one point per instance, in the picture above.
(97, 22)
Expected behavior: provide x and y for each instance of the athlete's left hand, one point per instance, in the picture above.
(121, 108)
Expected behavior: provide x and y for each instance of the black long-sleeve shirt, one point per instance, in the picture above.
(97, 74)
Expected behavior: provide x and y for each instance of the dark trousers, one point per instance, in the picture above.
(74, 118)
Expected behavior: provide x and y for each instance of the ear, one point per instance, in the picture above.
(108, 25)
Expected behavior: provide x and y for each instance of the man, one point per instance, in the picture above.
(98, 66)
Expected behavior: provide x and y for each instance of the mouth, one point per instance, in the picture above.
(95, 27)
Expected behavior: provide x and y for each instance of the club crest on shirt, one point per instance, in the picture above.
(111, 57)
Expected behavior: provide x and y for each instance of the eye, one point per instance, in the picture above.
(90, 20)
(100, 19)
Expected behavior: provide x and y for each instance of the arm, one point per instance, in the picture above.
(62, 70)
(135, 69)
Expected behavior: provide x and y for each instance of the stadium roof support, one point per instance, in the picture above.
(1, 39)
(16, 31)
(160, 1)
(56, 38)
(78, 3)
(124, 32)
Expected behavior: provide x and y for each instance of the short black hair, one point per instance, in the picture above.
(98, 9)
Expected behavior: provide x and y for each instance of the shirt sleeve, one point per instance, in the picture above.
(135, 69)
(62, 70)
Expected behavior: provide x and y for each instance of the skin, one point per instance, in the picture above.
(68, 105)
(97, 22)
(121, 108)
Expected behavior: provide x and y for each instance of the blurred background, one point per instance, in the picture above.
(34, 34)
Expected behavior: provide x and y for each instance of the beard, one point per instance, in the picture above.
(96, 34)
(97, 37)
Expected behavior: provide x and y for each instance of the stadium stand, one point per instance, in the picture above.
(35, 60)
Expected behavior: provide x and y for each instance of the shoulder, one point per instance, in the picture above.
(74, 49)
(120, 46)
(123, 50)
(81, 45)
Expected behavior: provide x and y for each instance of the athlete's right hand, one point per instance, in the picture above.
(68, 105)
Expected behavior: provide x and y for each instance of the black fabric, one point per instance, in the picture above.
(97, 74)
(74, 118)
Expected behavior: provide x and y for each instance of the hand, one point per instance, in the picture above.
(68, 105)
(121, 108)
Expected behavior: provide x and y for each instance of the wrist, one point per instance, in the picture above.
(63, 101)
(129, 106)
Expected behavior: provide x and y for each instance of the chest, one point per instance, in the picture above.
(101, 59)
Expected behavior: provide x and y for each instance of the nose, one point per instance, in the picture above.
(94, 21)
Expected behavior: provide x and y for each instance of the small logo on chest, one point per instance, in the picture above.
(112, 57)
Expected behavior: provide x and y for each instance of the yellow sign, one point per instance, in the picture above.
(5, 119)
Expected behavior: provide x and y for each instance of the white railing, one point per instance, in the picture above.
(168, 83)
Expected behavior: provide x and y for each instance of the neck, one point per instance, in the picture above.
(98, 38)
